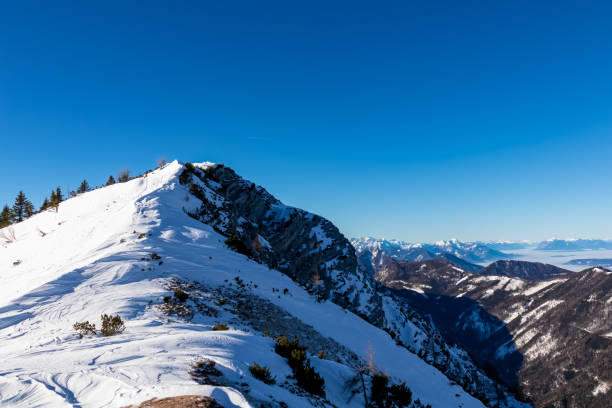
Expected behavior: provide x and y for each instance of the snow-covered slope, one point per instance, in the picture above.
(99, 254)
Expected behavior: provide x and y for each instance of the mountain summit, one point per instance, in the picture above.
(203, 270)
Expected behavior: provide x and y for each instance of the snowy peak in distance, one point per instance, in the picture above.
(575, 244)
(474, 252)
(508, 245)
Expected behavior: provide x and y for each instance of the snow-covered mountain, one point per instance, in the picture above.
(181, 252)
(474, 252)
(554, 244)
(523, 270)
(508, 245)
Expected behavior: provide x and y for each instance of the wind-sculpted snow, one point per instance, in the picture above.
(119, 249)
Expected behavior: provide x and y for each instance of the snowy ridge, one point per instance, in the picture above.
(312, 251)
(95, 257)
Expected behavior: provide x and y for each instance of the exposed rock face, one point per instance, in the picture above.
(523, 270)
(550, 339)
(313, 252)
(185, 401)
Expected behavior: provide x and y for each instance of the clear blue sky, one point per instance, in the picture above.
(414, 120)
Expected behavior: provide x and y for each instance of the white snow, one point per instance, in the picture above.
(539, 311)
(601, 387)
(542, 347)
(90, 262)
(541, 286)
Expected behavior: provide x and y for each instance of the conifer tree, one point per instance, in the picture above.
(22, 207)
(6, 217)
(58, 195)
(44, 205)
(123, 176)
(110, 181)
(53, 203)
(29, 209)
(84, 187)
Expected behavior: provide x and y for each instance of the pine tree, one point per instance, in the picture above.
(22, 208)
(53, 203)
(29, 209)
(6, 217)
(84, 187)
(44, 205)
(58, 195)
(110, 181)
(123, 176)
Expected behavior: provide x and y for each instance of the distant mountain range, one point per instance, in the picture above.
(508, 245)
(574, 244)
(473, 252)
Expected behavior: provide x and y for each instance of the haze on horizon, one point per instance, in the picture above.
(419, 122)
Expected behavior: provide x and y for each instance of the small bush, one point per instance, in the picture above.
(401, 394)
(202, 371)
(297, 358)
(309, 380)
(378, 391)
(85, 328)
(154, 256)
(383, 395)
(180, 295)
(220, 327)
(284, 347)
(237, 245)
(262, 373)
(306, 376)
(111, 325)
(167, 299)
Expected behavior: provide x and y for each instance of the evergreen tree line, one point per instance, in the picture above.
(23, 208)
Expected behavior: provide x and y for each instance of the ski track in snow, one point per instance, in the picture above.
(89, 263)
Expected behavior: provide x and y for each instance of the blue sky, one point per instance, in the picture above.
(413, 120)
